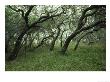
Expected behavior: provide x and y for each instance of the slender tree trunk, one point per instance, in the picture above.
(54, 40)
(76, 46)
(61, 41)
(52, 44)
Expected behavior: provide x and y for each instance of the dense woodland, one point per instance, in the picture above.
(55, 37)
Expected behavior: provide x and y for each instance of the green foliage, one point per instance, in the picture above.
(45, 21)
(85, 58)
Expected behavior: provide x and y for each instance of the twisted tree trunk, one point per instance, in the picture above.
(27, 28)
(80, 28)
(66, 44)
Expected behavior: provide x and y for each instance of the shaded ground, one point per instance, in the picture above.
(85, 58)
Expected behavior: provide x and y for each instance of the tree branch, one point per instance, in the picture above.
(29, 11)
(17, 10)
(42, 41)
(86, 28)
(27, 14)
(85, 34)
(44, 18)
(93, 25)
(84, 15)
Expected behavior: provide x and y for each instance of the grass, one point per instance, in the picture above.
(85, 58)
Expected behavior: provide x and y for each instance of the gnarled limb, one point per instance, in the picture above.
(27, 28)
(17, 10)
(81, 24)
(64, 48)
(84, 15)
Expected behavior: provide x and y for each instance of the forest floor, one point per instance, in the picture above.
(85, 58)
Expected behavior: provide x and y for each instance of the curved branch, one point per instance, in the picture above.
(89, 32)
(17, 10)
(93, 25)
(64, 48)
(25, 16)
(44, 18)
(85, 15)
(76, 46)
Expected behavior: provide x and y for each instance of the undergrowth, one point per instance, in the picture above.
(85, 58)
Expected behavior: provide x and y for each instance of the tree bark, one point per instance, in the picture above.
(80, 26)
(61, 41)
(66, 44)
(76, 46)
(27, 28)
(17, 45)
(55, 38)
(53, 42)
